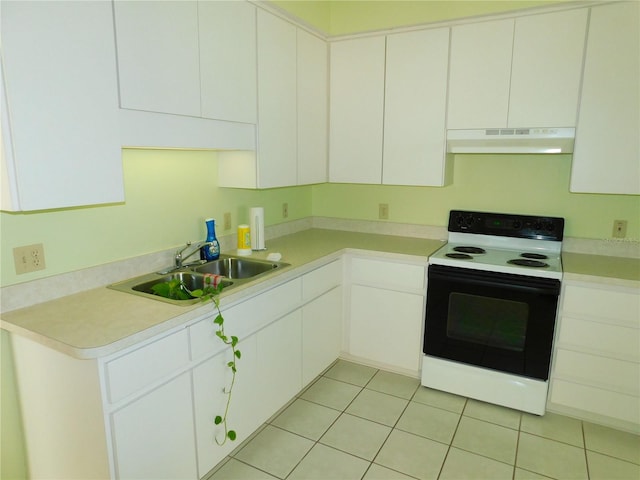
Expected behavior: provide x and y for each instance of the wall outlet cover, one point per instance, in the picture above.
(29, 258)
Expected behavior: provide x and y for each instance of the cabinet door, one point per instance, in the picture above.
(479, 74)
(279, 370)
(154, 436)
(312, 102)
(547, 69)
(321, 333)
(210, 378)
(158, 61)
(277, 123)
(227, 32)
(606, 157)
(356, 108)
(60, 133)
(414, 113)
(386, 327)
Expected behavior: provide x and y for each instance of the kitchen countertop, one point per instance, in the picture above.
(620, 271)
(102, 321)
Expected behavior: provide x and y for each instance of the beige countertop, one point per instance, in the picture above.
(602, 269)
(102, 321)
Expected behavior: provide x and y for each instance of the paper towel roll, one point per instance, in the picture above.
(256, 222)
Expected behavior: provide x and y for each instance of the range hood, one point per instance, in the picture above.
(511, 140)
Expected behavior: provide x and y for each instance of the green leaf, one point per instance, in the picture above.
(218, 420)
(161, 289)
(197, 293)
(234, 341)
(218, 320)
(231, 364)
(238, 354)
(232, 435)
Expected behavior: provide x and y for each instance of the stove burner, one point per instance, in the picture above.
(523, 262)
(461, 256)
(464, 249)
(536, 256)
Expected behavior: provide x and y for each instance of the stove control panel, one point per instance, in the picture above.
(506, 225)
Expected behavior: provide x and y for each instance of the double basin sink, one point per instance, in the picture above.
(234, 270)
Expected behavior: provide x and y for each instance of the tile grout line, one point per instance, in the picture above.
(584, 445)
(342, 412)
(444, 460)
(393, 427)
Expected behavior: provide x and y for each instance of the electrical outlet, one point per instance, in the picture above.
(619, 229)
(227, 221)
(383, 211)
(285, 210)
(29, 258)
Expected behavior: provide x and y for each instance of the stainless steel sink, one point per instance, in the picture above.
(237, 267)
(188, 280)
(235, 270)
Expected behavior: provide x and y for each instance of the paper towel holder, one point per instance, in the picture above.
(256, 215)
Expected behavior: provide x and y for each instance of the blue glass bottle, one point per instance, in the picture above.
(211, 251)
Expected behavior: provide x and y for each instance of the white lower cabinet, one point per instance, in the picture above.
(147, 412)
(153, 437)
(210, 379)
(596, 367)
(321, 333)
(279, 350)
(386, 311)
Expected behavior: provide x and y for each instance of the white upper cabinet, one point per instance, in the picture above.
(313, 108)
(356, 110)
(292, 111)
(60, 133)
(606, 157)
(158, 56)
(479, 72)
(517, 73)
(547, 69)
(388, 106)
(277, 111)
(228, 60)
(415, 108)
(187, 73)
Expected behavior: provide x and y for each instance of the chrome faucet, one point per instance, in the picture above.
(181, 257)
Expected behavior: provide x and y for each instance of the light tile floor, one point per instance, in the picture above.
(357, 422)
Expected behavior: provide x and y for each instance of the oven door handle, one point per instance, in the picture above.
(543, 286)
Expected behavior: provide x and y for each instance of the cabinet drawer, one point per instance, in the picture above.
(617, 341)
(321, 280)
(600, 371)
(596, 400)
(145, 365)
(382, 274)
(245, 318)
(620, 305)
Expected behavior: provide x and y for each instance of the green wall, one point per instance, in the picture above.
(168, 195)
(341, 17)
(527, 184)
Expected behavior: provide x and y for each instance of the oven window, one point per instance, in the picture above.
(487, 321)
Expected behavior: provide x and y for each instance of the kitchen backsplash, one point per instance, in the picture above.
(21, 295)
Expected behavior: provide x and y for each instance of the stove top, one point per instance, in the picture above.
(515, 261)
(505, 243)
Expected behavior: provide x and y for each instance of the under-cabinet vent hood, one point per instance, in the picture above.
(511, 140)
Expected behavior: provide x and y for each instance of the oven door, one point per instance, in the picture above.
(493, 320)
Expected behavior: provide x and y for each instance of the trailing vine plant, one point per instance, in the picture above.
(176, 289)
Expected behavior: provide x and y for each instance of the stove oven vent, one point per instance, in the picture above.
(511, 140)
